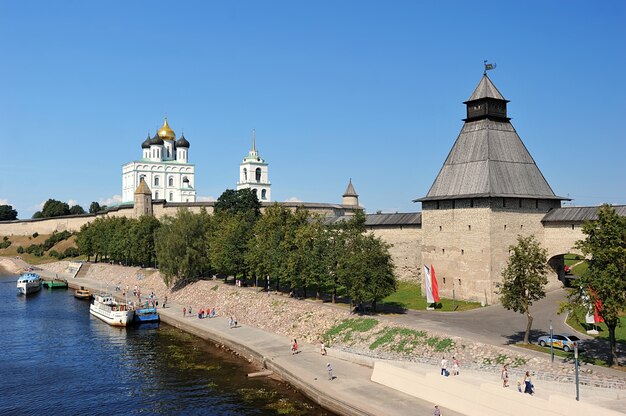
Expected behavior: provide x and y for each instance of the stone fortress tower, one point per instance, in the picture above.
(488, 192)
(254, 174)
(350, 197)
(143, 200)
(164, 164)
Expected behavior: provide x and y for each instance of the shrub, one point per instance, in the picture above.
(71, 252)
(35, 250)
(20, 250)
(35, 234)
(55, 238)
(53, 253)
(5, 242)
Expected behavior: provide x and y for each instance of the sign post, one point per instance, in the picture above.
(551, 345)
(576, 364)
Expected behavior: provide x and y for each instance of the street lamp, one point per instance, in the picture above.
(551, 346)
(576, 366)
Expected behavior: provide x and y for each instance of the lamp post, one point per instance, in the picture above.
(576, 366)
(551, 345)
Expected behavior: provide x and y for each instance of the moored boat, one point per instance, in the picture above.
(56, 284)
(28, 283)
(105, 307)
(82, 293)
(146, 315)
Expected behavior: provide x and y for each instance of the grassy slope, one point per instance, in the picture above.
(26, 241)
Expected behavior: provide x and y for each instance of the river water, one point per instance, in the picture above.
(55, 358)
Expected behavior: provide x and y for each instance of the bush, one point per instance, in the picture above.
(20, 250)
(5, 242)
(35, 250)
(55, 238)
(71, 252)
(53, 253)
(35, 234)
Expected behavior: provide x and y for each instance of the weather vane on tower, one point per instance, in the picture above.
(488, 67)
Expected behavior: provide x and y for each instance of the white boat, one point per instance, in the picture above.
(105, 307)
(28, 283)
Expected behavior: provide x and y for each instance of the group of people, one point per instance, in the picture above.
(232, 322)
(528, 387)
(444, 366)
(206, 313)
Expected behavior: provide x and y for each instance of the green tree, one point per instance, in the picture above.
(182, 248)
(38, 214)
(94, 207)
(524, 279)
(77, 210)
(142, 246)
(7, 213)
(54, 208)
(605, 278)
(313, 252)
(229, 237)
(240, 201)
(266, 255)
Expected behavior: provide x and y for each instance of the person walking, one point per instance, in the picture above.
(437, 412)
(329, 368)
(528, 384)
(164, 302)
(184, 312)
(444, 366)
(230, 322)
(505, 377)
(322, 348)
(455, 366)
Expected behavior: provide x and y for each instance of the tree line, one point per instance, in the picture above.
(281, 249)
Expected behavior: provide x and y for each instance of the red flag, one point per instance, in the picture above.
(435, 287)
(597, 307)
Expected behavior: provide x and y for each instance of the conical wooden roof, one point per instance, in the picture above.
(143, 188)
(350, 190)
(489, 159)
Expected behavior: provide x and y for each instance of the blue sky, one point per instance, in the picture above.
(371, 91)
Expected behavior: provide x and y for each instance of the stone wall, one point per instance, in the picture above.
(406, 249)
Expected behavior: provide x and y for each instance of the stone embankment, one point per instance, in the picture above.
(308, 321)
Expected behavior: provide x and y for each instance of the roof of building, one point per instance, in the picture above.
(143, 188)
(578, 214)
(156, 141)
(486, 89)
(374, 220)
(165, 132)
(182, 142)
(489, 159)
(146, 143)
(350, 190)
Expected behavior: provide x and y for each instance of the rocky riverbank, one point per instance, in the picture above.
(309, 321)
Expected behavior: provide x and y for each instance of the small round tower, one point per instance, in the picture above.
(143, 200)
(350, 197)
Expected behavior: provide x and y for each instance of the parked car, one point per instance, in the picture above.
(563, 341)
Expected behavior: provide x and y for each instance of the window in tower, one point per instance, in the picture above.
(245, 175)
(171, 181)
(264, 194)
(258, 174)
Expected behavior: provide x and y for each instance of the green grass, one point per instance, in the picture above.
(576, 320)
(409, 296)
(405, 341)
(348, 327)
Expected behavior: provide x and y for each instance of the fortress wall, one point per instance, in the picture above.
(406, 249)
(44, 226)
(560, 238)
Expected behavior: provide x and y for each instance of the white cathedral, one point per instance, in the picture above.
(164, 166)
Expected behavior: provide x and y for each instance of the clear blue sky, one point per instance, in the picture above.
(371, 91)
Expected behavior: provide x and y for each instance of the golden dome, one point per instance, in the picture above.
(165, 132)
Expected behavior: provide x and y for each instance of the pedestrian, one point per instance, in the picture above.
(230, 322)
(200, 313)
(444, 366)
(213, 313)
(184, 312)
(322, 348)
(329, 368)
(528, 384)
(505, 376)
(437, 412)
(190, 311)
(234, 321)
(164, 302)
(455, 366)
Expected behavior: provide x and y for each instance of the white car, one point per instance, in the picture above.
(563, 341)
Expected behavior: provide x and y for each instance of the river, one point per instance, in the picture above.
(55, 358)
